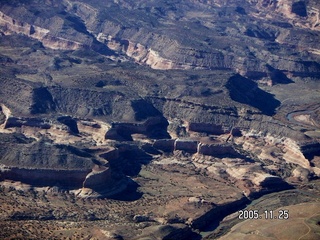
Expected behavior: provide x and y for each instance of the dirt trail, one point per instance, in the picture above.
(304, 222)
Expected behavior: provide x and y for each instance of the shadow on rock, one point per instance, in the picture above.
(132, 158)
(131, 193)
(278, 76)
(246, 91)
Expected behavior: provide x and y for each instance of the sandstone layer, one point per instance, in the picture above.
(134, 119)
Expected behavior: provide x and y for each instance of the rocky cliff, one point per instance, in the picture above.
(82, 24)
(15, 25)
(164, 116)
(65, 179)
(65, 166)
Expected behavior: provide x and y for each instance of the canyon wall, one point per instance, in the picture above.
(43, 35)
(146, 45)
(104, 181)
(69, 179)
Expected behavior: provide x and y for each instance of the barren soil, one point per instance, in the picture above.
(159, 119)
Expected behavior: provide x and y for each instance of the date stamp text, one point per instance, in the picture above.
(266, 214)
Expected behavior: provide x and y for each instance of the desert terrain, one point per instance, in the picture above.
(159, 119)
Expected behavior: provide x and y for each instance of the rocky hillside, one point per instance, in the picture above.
(154, 33)
(158, 117)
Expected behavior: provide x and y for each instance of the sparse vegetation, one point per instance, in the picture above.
(88, 87)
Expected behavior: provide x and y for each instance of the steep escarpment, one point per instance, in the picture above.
(303, 12)
(56, 165)
(208, 119)
(103, 182)
(148, 45)
(13, 122)
(42, 154)
(15, 25)
(42, 163)
(153, 127)
(219, 213)
(200, 146)
(66, 179)
(157, 39)
(56, 31)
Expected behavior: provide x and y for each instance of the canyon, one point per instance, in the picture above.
(156, 119)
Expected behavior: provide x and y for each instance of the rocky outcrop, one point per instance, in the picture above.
(43, 35)
(301, 13)
(217, 150)
(141, 54)
(206, 147)
(41, 163)
(103, 182)
(70, 122)
(64, 32)
(166, 145)
(268, 183)
(222, 147)
(187, 145)
(217, 213)
(251, 177)
(96, 183)
(31, 122)
(294, 155)
(111, 154)
(153, 127)
(67, 179)
(145, 45)
(80, 27)
(161, 57)
(207, 128)
(281, 150)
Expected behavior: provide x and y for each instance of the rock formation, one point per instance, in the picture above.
(31, 122)
(71, 123)
(153, 127)
(17, 26)
(103, 182)
(58, 165)
(217, 150)
(157, 118)
(66, 179)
